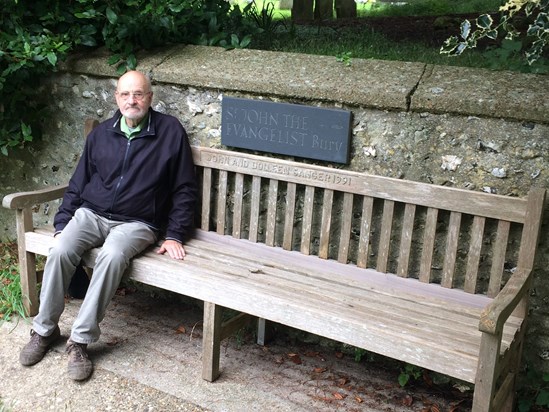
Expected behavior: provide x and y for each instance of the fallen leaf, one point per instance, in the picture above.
(339, 396)
(180, 329)
(407, 400)
(359, 399)
(295, 358)
(339, 355)
(113, 342)
(320, 370)
(342, 381)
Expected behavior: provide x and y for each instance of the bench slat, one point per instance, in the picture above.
(406, 240)
(221, 202)
(254, 211)
(385, 239)
(308, 204)
(428, 245)
(473, 257)
(345, 233)
(289, 216)
(271, 212)
(238, 197)
(206, 196)
(452, 240)
(365, 227)
(326, 223)
(498, 257)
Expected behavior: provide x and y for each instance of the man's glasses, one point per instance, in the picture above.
(136, 96)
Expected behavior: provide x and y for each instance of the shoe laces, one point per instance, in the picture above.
(77, 351)
(35, 339)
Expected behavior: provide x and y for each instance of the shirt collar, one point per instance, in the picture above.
(132, 132)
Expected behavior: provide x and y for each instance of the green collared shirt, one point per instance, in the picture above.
(131, 132)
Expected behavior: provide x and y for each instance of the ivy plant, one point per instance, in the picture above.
(536, 12)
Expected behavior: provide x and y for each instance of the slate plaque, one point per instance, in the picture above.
(284, 128)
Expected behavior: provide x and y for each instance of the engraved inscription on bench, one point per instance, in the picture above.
(266, 168)
(289, 129)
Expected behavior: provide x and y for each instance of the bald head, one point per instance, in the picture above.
(134, 96)
(134, 80)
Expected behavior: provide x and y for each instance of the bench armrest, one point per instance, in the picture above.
(22, 200)
(494, 316)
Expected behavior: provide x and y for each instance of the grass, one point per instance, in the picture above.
(11, 302)
(372, 8)
(361, 41)
(427, 8)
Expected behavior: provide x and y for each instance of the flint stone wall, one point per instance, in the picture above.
(467, 128)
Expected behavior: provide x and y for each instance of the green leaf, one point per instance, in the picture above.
(131, 62)
(52, 58)
(524, 405)
(543, 398)
(403, 379)
(111, 15)
(246, 41)
(465, 29)
(492, 34)
(485, 21)
(115, 58)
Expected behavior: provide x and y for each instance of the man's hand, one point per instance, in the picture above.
(174, 249)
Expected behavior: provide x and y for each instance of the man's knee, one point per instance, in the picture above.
(112, 257)
(64, 251)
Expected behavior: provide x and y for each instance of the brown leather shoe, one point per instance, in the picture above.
(34, 351)
(79, 367)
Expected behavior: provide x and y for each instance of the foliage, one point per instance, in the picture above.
(29, 48)
(409, 372)
(513, 14)
(345, 57)
(535, 391)
(264, 19)
(35, 36)
(11, 302)
(3, 407)
(425, 7)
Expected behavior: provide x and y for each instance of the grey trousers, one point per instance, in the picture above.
(121, 241)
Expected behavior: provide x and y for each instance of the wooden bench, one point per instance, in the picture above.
(433, 276)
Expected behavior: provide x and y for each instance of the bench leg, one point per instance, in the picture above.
(265, 331)
(27, 263)
(211, 341)
(485, 384)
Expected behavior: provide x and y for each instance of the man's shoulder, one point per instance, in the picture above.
(167, 123)
(164, 117)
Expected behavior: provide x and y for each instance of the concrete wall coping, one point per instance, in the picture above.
(380, 84)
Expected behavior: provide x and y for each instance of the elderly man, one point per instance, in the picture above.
(134, 181)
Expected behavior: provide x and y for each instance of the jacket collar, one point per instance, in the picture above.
(147, 130)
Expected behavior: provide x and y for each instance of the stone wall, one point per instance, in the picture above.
(459, 127)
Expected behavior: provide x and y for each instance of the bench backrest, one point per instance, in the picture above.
(458, 238)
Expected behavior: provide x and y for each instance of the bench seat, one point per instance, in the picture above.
(397, 317)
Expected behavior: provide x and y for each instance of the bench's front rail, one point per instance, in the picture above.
(433, 276)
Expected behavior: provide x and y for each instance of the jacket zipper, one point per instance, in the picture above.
(120, 178)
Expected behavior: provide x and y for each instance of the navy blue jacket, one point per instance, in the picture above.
(149, 178)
